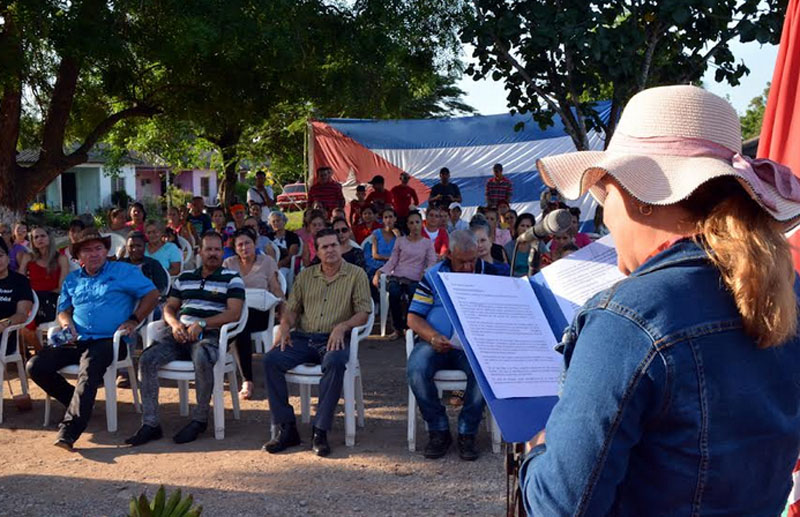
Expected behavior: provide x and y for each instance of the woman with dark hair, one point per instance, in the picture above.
(383, 241)
(411, 256)
(488, 251)
(316, 222)
(166, 253)
(16, 300)
(20, 247)
(350, 253)
(288, 242)
(523, 223)
(509, 220)
(259, 271)
(680, 395)
(137, 216)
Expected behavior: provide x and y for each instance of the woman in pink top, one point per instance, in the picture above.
(316, 222)
(499, 236)
(410, 257)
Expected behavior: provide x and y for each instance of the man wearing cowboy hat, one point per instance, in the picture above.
(96, 301)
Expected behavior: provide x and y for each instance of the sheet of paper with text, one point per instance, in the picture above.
(574, 279)
(507, 332)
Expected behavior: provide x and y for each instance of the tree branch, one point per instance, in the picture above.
(81, 154)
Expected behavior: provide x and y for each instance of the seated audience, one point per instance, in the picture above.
(357, 205)
(46, 270)
(303, 233)
(288, 242)
(454, 221)
(219, 224)
(238, 214)
(316, 223)
(497, 235)
(20, 246)
(256, 211)
(383, 240)
(581, 239)
(509, 222)
(257, 272)
(96, 301)
(437, 350)
(502, 208)
(166, 253)
(338, 213)
(199, 303)
(559, 240)
(180, 226)
(564, 251)
(74, 230)
(200, 221)
(411, 256)
(118, 222)
(520, 267)
(489, 252)
(368, 224)
(350, 253)
(327, 301)
(435, 230)
(5, 234)
(16, 299)
(151, 268)
(263, 244)
(137, 216)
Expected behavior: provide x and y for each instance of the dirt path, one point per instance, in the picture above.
(232, 477)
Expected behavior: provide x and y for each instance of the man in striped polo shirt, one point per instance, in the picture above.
(199, 303)
(326, 191)
(327, 301)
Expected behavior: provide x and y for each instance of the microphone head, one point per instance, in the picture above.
(557, 221)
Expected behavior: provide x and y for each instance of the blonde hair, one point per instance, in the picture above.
(51, 259)
(752, 254)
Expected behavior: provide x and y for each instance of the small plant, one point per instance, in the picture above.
(175, 506)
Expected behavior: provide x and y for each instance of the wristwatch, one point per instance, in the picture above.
(202, 323)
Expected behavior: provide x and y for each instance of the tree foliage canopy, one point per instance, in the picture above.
(754, 115)
(557, 57)
(237, 76)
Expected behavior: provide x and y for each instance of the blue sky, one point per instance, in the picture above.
(489, 97)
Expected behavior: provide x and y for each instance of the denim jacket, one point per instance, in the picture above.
(668, 407)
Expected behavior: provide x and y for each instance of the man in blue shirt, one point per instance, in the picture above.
(438, 350)
(95, 302)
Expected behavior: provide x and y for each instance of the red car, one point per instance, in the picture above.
(293, 197)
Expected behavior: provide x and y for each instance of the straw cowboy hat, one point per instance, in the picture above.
(669, 141)
(86, 236)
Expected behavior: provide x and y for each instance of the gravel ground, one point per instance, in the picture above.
(232, 477)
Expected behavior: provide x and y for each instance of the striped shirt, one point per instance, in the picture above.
(329, 194)
(498, 189)
(323, 303)
(203, 298)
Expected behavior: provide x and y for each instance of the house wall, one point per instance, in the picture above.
(93, 186)
(148, 184)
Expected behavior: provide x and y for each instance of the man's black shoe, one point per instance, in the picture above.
(190, 433)
(145, 434)
(319, 442)
(64, 443)
(438, 443)
(466, 447)
(287, 437)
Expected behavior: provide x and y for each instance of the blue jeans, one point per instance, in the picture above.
(423, 363)
(306, 348)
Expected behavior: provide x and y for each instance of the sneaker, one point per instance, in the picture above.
(287, 437)
(145, 434)
(64, 443)
(438, 443)
(319, 442)
(467, 450)
(190, 433)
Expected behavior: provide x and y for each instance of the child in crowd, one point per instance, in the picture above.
(367, 225)
(357, 205)
(337, 213)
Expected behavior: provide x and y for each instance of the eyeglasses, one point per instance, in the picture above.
(342, 230)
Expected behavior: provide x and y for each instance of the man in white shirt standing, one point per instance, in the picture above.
(261, 195)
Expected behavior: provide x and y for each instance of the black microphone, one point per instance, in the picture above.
(557, 221)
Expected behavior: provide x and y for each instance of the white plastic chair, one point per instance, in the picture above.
(183, 372)
(276, 249)
(307, 375)
(117, 243)
(383, 297)
(109, 382)
(297, 259)
(263, 340)
(16, 357)
(445, 380)
(188, 253)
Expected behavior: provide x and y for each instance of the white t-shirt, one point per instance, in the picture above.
(432, 234)
(255, 196)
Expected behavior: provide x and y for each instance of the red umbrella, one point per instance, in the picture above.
(779, 136)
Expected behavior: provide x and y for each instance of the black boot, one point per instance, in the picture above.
(438, 443)
(190, 433)
(466, 447)
(287, 437)
(145, 434)
(319, 442)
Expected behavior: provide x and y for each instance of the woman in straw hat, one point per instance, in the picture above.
(682, 391)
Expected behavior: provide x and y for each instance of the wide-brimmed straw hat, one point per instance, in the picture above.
(669, 141)
(89, 235)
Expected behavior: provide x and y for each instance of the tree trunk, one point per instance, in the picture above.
(227, 187)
